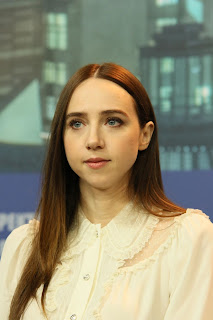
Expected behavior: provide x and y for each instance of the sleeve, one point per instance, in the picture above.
(191, 270)
(12, 261)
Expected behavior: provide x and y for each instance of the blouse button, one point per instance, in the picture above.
(86, 277)
(73, 317)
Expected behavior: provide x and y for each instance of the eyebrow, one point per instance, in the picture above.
(105, 112)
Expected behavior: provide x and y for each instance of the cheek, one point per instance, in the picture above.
(128, 142)
(127, 149)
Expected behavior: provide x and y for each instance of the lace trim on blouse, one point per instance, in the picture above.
(116, 241)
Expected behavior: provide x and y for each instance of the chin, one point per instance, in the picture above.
(99, 184)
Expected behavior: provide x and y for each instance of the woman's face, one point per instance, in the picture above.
(102, 135)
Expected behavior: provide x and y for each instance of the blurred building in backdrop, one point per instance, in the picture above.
(21, 45)
(167, 44)
(176, 68)
(57, 56)
(21, 56)
(178, 73)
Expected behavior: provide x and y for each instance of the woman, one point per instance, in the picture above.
(109, 243)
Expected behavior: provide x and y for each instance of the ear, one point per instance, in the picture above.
(146, 135)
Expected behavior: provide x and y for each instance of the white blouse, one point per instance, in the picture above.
(137, 267)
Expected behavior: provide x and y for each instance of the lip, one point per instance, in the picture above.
(96, 163)
(94, 160)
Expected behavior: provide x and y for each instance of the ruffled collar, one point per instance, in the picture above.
(124, 236)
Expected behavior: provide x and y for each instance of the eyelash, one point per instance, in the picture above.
(115, 119)
(74, 121)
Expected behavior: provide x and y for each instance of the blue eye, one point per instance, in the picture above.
(114, 122)
(75, 124)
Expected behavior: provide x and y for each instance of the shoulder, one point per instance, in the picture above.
(194, 232)
(19, 237)
(15, 253)
(195, 222)
(191, 256)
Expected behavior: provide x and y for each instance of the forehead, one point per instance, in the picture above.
(95, 93)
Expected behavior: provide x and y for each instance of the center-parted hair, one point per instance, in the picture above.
(60, 193)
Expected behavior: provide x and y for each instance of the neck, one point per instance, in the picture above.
(101, 206)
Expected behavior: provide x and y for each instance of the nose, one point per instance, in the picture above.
(94, 139)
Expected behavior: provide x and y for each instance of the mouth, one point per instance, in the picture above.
(96, 163)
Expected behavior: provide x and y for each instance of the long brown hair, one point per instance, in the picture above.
(60, 192)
